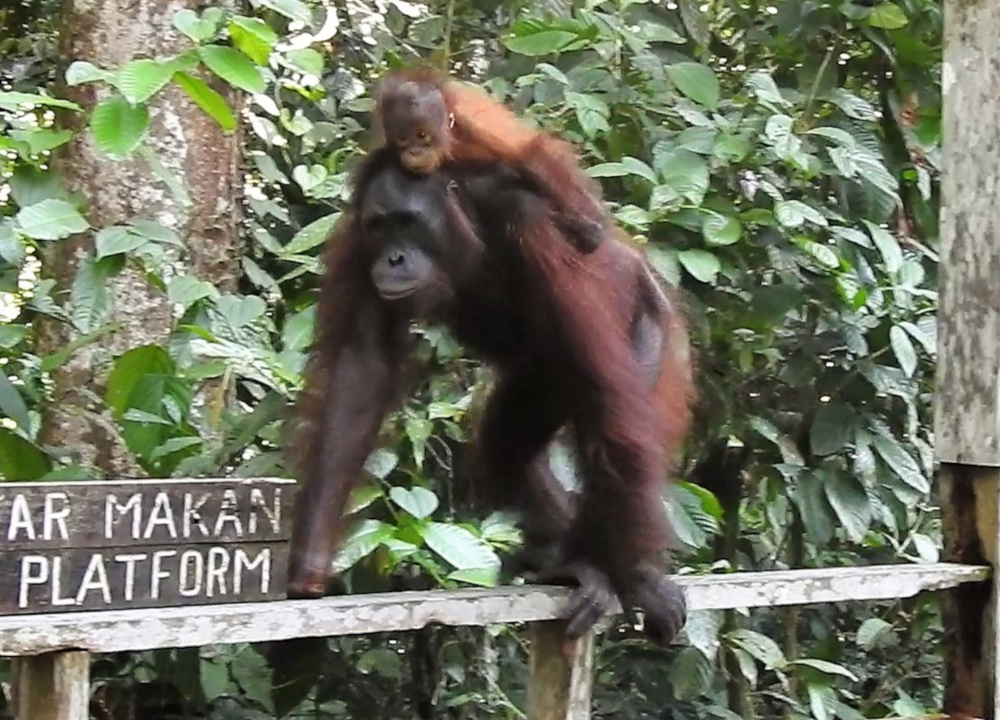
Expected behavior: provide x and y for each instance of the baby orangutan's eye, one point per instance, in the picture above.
(422, 136)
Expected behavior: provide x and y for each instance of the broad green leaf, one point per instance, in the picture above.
(900, 461)
(697, 82)
(291, 9)
(793, 213)
(761, 647)
(418, 501)
(731, 148)
(116, 240)
(684, 171)
(139, 80)
(652, 31)
(539, 41)
(903, 348)
(20, 459)
(825, 666)
(822, 701)
(849, 500)
(418, 430)
(887, 15)
(888, 246)
(748, 668)
(721, 229)
(118, 127)
(197, 29)
(926, 548)
(234, 67)
(207, 99)
(484, 577)
(703, 265)
(185, 290)
(458, 546)
(817, 515)
(11, 335)
(50, 220)
(253, 38)
(309, 177)
(872, 631)
(361, 497)
(15, 100)
(12, 405)
(851, 235)
(639, 168)
(839, 136)
(82, 72)
(41, 140)
(305, 60)
(832, 428)
(240, 311)
(313, 234)
(764, 87)
(591, 112)
(608, 169)
(690, 674)
(129, 368)
(822, 254)
(923, 335)
(362, 541)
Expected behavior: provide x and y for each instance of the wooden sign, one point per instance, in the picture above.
(142, 543)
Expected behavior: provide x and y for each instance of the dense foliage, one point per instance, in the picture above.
(778, 162)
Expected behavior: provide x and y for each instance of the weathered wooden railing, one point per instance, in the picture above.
(54, 648)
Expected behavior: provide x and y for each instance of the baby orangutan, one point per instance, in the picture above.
(431, 121)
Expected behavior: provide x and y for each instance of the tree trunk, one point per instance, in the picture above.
(204, 159)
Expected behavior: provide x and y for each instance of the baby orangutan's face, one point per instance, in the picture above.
(415, 120)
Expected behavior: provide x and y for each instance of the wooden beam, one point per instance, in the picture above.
(561, 674)
(967, 392)
(147, 629)
(53, 686)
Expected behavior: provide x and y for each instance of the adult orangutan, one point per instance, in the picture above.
(432, 121)
(589, 342)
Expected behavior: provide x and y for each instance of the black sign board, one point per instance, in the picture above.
(142, 543)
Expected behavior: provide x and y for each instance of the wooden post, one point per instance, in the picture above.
(967, 396)
(562, 673)
(53, 686)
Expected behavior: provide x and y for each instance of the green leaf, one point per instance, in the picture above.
(313, 234)
(872, 631)
(535, 40)
(16, 100)
(12, 404)
(207, 99)
(888, 246)
(254, 38)
(361, 542)
(825, 666)
(484, 577)
(684, 171)
(116, 240)
(926, 548)
(591, 112)
(793, 213)
(118, 127)
(608, 169)
(185, 290)
(129, 369)
(690, 674)
(418, 501)
(361, 497)
(721, 229)
(234, 67)
(761, 647)
(763, 86)
(418, 430)
(80, 72)
(703, 265)
(637, 167)
(50, 220)
(849, 500)
(822, 701)
(731, 148)
(197, 29)
(139, 80)
(291, 9)
(41, 140)
(20, 459)
(822, 254)
(305, 60)
(832, 428)
(458, 546)
(887, 15)
(903, 348)
(905, 467)
(696, 81)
